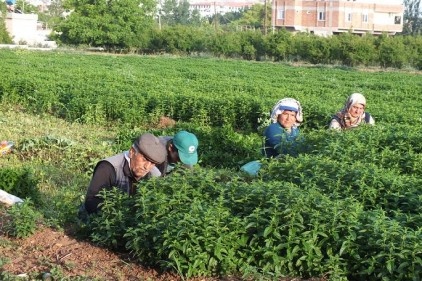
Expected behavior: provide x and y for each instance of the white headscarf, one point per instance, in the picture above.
(355, 98)
(287, 104)
(344, 117)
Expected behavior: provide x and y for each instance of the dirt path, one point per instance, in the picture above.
(63, 256)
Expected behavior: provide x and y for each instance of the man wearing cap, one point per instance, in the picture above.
(280, 137)
(182, 147)
(125, 169)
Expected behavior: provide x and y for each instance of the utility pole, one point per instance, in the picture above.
(265, 17)
(215, 18)
(159, 14)
(273, 15)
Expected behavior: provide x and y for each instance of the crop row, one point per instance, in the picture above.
(134, 91)
(348, 207)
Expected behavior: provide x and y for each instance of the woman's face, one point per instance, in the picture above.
(287, 119)
(356, 110)
(139, 165)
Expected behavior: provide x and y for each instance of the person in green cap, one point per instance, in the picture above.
(124, 170)
(182, 147)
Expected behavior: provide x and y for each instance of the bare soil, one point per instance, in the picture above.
(48, 250)
(63, 256)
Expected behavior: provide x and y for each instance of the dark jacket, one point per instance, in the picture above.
(110, 172)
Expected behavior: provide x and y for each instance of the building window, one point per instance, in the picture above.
(280, 14)
(321, 16)
(349, 17)
(364, 17)
(397, 20)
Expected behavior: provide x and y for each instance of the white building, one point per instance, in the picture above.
(208, 8)
(24, 29)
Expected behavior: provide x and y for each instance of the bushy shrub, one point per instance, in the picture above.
(279, 45)
(20, 182)
(4, 34)
(22, 219)
(392, 52)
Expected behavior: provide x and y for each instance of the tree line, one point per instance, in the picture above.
(133, 26)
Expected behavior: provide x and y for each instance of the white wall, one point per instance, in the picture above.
(23, 29)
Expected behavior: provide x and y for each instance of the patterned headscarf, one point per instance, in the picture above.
(345, 118)
(287, 104)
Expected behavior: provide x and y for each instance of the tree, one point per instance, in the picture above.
(177, 12)
(256, 17)
(24, 7)
(4, 34)
(412, 17)
(53, 15)
(107, 23)
(226, 19)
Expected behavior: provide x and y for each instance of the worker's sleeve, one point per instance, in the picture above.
(104, 177)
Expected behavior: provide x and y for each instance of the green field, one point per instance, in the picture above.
(348, 207)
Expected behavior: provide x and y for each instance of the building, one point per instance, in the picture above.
(337, 16)
(26, 30)
(207, 8)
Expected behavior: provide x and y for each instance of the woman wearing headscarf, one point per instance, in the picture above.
(353, 114)
(281, 135)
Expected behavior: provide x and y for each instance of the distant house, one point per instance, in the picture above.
(26, 30)
(208, 8)
(333, 17)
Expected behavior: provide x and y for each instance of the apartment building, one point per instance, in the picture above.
(328, 17)
(208, 8)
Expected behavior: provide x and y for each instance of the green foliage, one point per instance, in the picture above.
(225, 44)
(218, 147)
(347, 207)
(177, 13)
(20, 182)
(197, 233)
(25, 7)
(59, 150)
(391, 52)
(112, 24)
(22, 219)
(255, 17)
(53, 15)
(4, 35)
(179, 39)
(279, 45)
(352, 50)
(228, 19)
(223, 147)
(204, 222)
(412, 22)
(129, 27)
(110, 224)
(252, 45)
(186, 93)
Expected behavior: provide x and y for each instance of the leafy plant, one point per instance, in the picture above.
(23, 219)
(21, 182)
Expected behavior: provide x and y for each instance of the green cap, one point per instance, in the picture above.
(187, 146)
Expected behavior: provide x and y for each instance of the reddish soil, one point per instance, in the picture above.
(63, 256)
(48, 249)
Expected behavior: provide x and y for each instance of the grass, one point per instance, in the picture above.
(63, 174)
